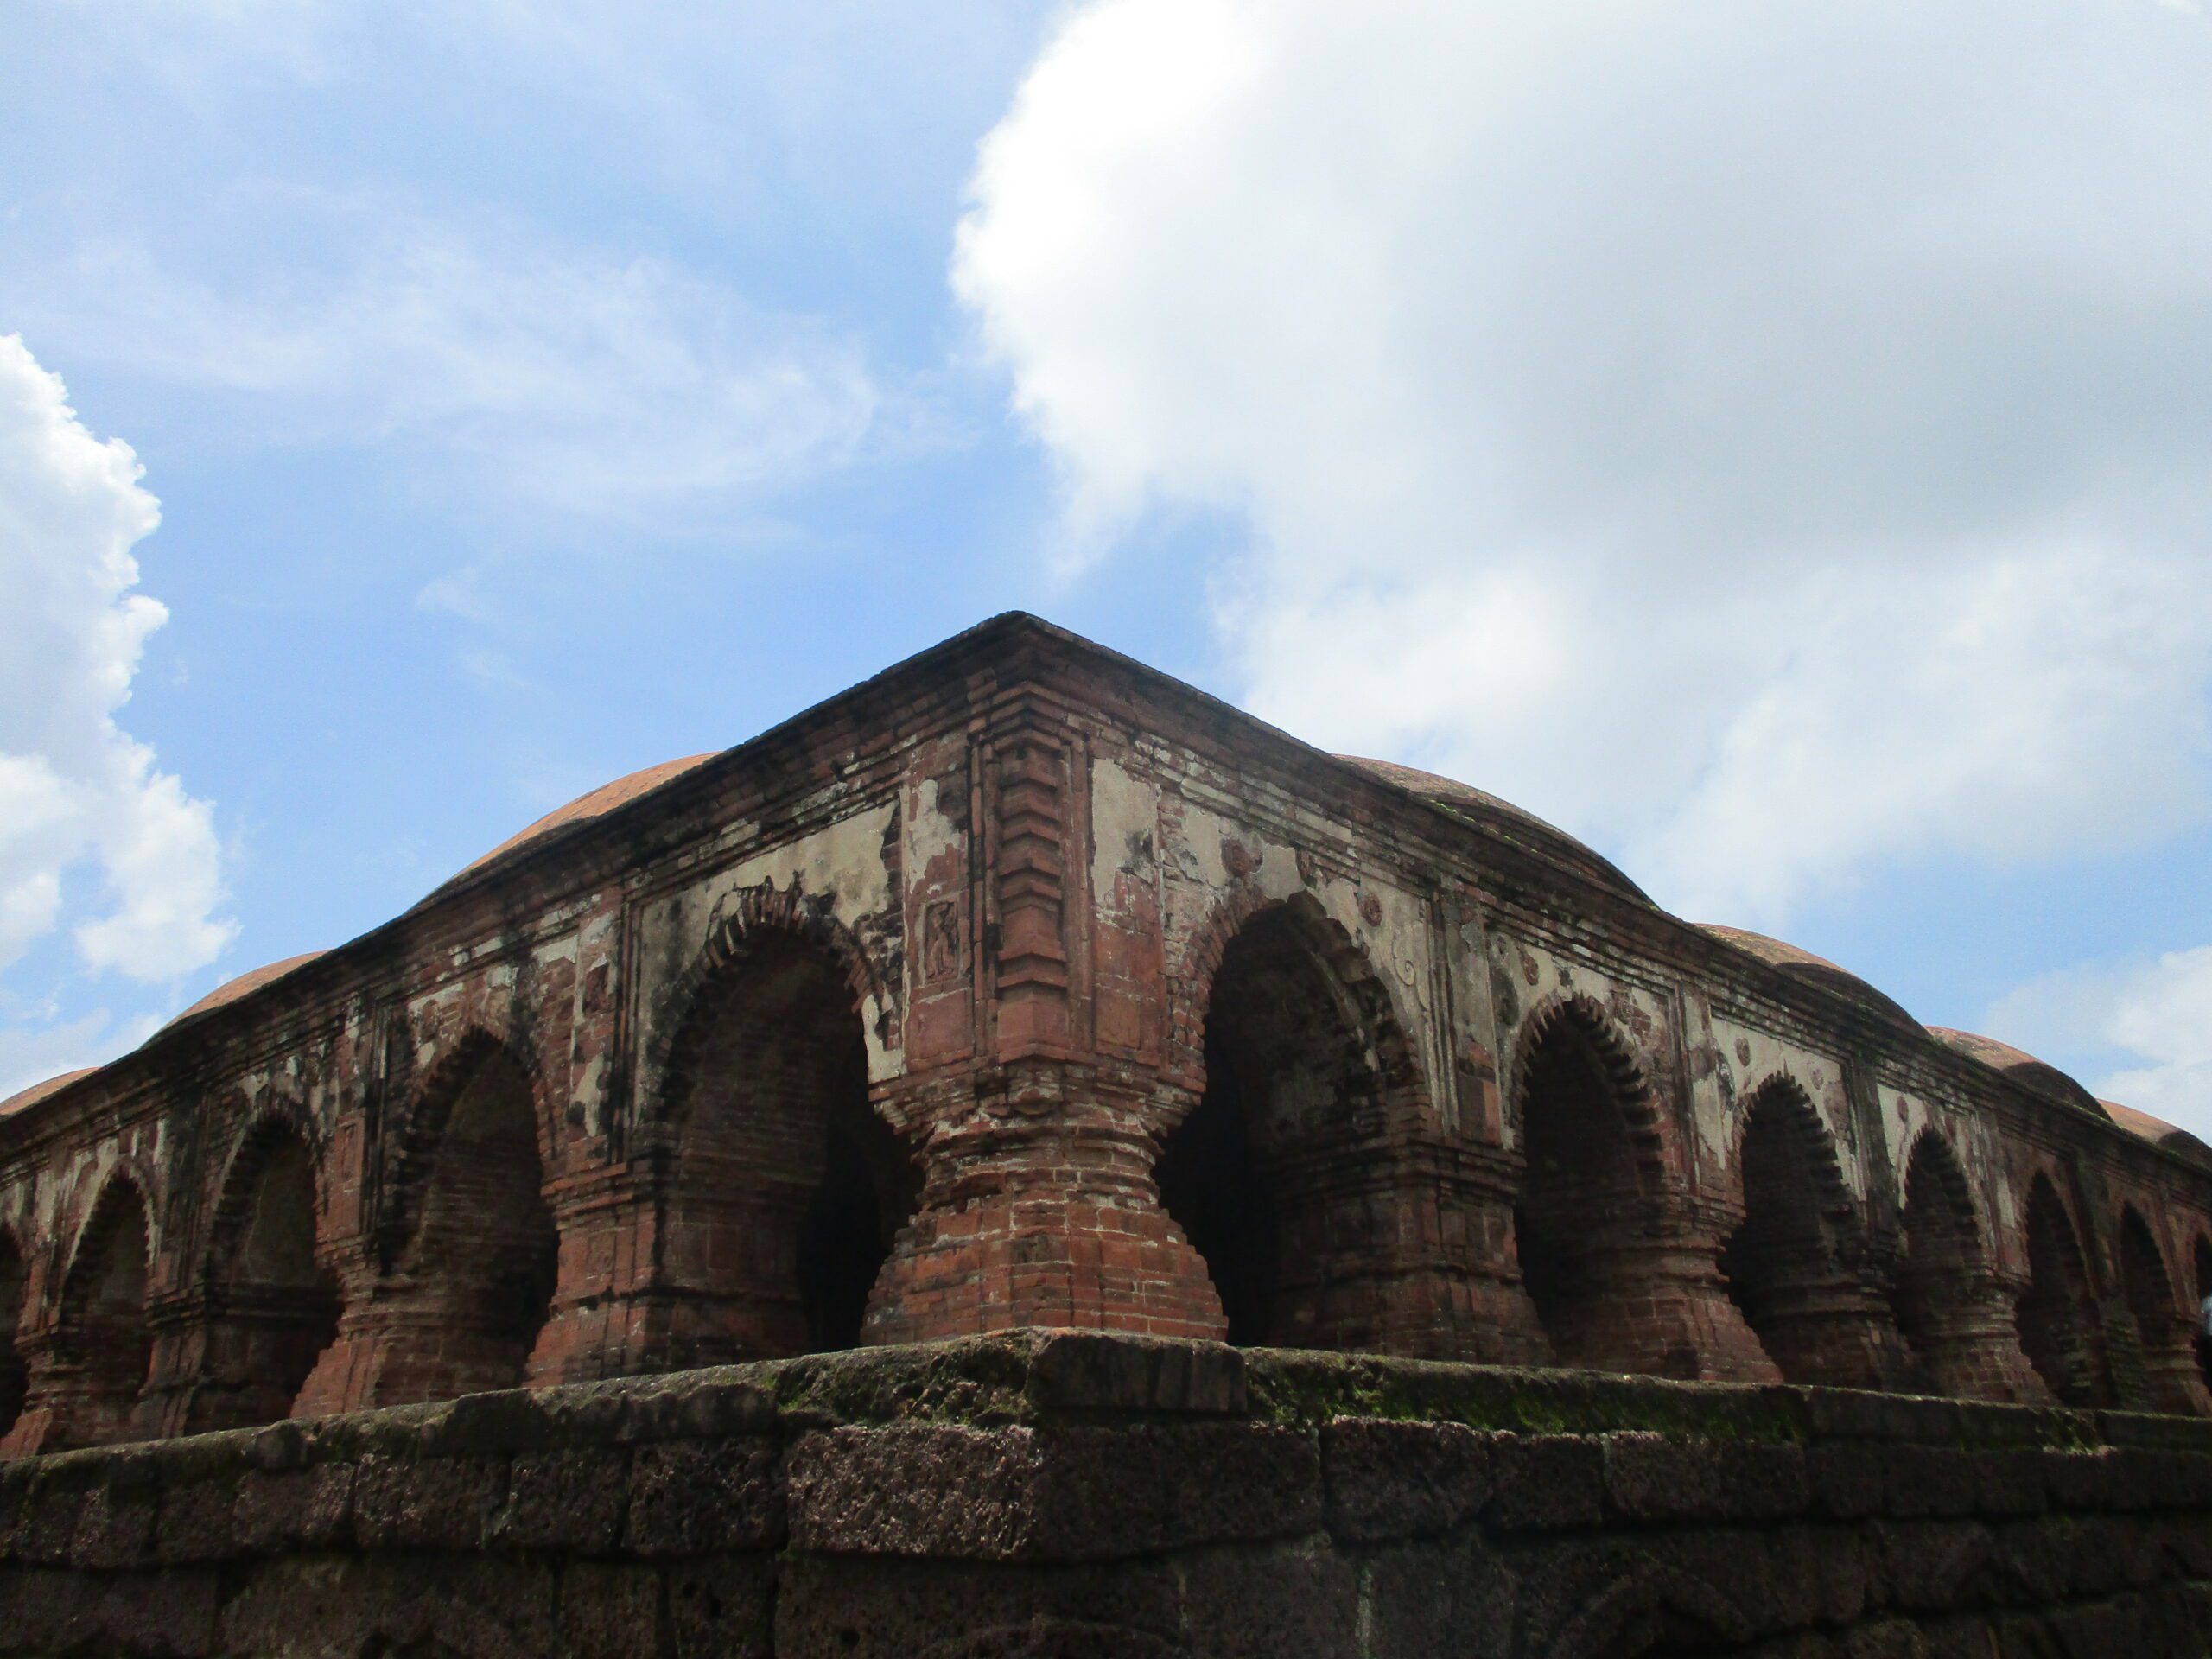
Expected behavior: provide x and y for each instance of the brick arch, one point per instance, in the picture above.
(2057, 1312)
(1792, 1264)
(1302, 1065)
(1593, 1198)
(1931, 1154)
(1645, 1607)
(1362, 995)
(782, 1186)
(744, 923)
(268, 1306)
(1576, 1015)
(265, 1127)
(2145, 1276)
(14, 1290)
(429, 1110)
(101, 1303)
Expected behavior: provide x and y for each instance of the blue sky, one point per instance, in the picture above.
(1773, 446)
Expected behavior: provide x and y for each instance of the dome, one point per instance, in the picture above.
(1817, 970)
(596, 804)
(2040, 1076)
(232, 990)
(2156, 1130)
(24, 1098)
(1524, 828)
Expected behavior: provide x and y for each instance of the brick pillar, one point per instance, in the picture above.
(1659, 1306)
(1038, 1208)
(1833, 1329)
(68, 1400)
(343, 1375)
(2166, 1378)
(1969, 1343)
(609, 1316)
(232, 1356)
(1403, 1245)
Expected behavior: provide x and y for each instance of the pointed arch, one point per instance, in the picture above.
(2200, 1261)
(1623, 1270)
(1955, 1316)
(2057, 1312)
(104, 1332)
(745, 923)
(269, 1305)
(1587, 1127)
(468, 1244)
(2165, 1326)
(478, 1053)
(1301, 1061)
(1791, 1265)
(786, 1190)
(1360, 998)
(14, 1277)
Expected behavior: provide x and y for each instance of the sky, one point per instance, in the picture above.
(1772, 442)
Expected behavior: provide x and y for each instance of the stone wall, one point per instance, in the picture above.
(1024, 987)
(1108, 1496)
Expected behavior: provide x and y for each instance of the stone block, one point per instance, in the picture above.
(402, 1503)
(197, 1521)
(1545, 1482)
(1084, 1371)
(611, 1610)
(571, 1500)
(721, 1607)
(1651, 1478)
(304, 1509)
(1927, 1480)
(693, 1497)
(1389, 1480)
(1058, 1494)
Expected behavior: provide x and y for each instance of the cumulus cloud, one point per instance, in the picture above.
(75, 790)
(1774, 440)
(551, 380)
(2156, 1017)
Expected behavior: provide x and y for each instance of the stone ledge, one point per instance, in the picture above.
(1047, 1447)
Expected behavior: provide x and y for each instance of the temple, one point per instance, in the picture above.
(1022, 990)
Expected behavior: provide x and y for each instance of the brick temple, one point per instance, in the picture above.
(1023, 988)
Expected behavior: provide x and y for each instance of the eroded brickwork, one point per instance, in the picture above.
(1022, 987)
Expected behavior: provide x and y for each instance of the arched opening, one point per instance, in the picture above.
(1290, 1079)
(2202, 1263)
(14, 1280)
(479, 1266)
(788, 1192)
(1943, 1260)
(2057, 1311)
(1785, 1263)
(271, 1309)
(1585, 1204)
(106, 1337)
(2165, 1331)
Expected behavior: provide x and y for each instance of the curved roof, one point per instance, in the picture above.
(232, 990)
(1818, 971)
(2156, 1130)
(595, 804)
(1508, 820)
(38, 1091)
(2019, 1065)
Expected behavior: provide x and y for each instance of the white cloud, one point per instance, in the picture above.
(32, 1053)
(555, 382)
(74, 788)
(1776, 440)
(2155, 1016)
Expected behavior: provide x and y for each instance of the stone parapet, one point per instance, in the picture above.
(1085, 1493)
